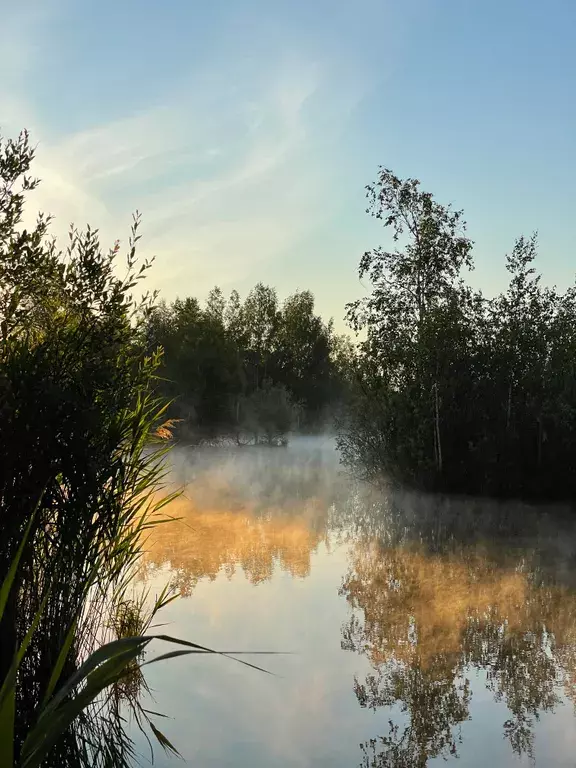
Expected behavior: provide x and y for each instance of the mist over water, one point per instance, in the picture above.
(420, 629)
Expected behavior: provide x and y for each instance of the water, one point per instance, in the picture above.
(420, 630)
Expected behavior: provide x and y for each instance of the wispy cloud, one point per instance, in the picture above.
(226, 173)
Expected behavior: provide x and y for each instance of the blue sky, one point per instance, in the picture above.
(246, 131)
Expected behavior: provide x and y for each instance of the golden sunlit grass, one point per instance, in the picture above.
(166, 430)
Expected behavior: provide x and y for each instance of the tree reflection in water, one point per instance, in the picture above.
(254, 509)
(442, 590)
(201, 543)
(427, 621)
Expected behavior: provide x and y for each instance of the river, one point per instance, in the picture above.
(410, 630)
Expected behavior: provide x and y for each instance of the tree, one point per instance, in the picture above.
(216, 305)
(303, 357)
(220, 358)
(234, 320)
(409, 283)
(267, 414)
(454, 391)
(200, 364)
(261, 318)
(416, 298)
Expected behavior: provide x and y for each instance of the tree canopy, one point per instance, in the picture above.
(455, 390)
(240, 365)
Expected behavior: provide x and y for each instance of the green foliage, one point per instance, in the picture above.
(77, 415)
(81, 481)
(456, 391)
(200, 362)
(66, 700)
(225, 362)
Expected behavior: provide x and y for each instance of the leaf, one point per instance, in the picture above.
(156, 714)
(9, 682)
(55, 720)
(169, 655)
(203, 648)
(59, 666)
(7, 715)
(163, 741)
(102, 655)
(11, 575)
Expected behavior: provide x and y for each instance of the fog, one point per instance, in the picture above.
(307, 477)
(453, 618)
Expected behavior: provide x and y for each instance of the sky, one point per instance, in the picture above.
(245, 131)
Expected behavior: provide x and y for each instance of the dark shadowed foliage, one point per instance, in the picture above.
(456, 391)
(228, 360)
(77, 413)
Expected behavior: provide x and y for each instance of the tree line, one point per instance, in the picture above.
(449, 389)
(454, 390)
(253, 368)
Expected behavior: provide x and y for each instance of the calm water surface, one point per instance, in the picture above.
(421, 630)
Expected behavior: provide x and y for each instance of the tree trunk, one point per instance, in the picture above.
(437, 428)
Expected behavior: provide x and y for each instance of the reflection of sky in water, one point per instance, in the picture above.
(396, 602)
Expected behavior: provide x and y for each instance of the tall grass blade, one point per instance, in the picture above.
(203, 649)
(100, 656)
(54, 721)
(11, 575)
(10, 679)
(7, 717)
(163, 741)
(59, 666)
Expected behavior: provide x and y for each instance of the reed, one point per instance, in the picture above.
(65, 720)
(83, 445)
